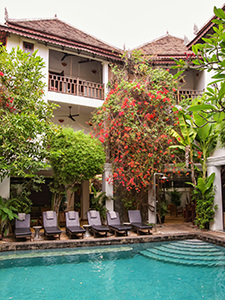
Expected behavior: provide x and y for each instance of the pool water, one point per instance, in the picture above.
(112, 273)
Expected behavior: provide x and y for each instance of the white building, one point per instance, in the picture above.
(76, 73)
(216, 163)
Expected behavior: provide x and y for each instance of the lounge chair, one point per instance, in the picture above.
(22, 226)
(50, 224)
(115, 225)
(136, 222)
(73, 224)
(95, 223)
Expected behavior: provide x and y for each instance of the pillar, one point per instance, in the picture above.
(217, 224)
(5, 188)
(151, 203)
(107, 186)
(105, 75)
(85, 203)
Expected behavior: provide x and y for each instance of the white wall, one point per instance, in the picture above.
(5, 188)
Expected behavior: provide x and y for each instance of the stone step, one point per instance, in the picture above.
(193, 252)
(180, 261)
(188, 252)
(210, 258)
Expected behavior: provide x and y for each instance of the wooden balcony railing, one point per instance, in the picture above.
(75, 86)
(186, 94)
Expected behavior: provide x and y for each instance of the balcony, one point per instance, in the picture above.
(187, 94)
(75, 86)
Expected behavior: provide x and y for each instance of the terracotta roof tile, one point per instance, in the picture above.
(165, 46)
(57, 31)
(204, 31)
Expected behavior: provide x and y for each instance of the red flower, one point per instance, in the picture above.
(101, 139)
(1, 73)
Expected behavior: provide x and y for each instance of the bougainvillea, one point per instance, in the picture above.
(134, 122)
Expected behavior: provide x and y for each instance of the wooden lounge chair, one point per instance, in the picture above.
(115, 225)
(95, 223)
(50, 224)
(22, 226)
(136, 222)
(73, 224)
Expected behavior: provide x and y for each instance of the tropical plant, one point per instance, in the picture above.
(175, 197)
(98, 201)
(8, 212)
(185, 137)
(210, 56)
(203, 194)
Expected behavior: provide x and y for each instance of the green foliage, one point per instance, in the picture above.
(24, 114)
(129, 203)
(161, 206)
(222, 133)
(20, 192)
(98, 201)
(74, 157)
(134, 123)
(175, 197)
(197, 136)
(210, 56)
(8, 212)
(203, 194)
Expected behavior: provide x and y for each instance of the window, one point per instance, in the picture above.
(28, 47)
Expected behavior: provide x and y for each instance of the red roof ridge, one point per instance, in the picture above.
(25, 20)
(157, 39)
(205, 27)
(17, 22)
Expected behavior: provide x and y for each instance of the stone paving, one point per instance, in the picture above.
(163, 232)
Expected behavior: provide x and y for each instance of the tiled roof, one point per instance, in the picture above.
(165, 49)
(55, 31)
(204, 31)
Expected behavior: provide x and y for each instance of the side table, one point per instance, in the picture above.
(37, 232)
(127, 224)
(87, 232)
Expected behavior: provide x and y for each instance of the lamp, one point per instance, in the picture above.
(154, 192)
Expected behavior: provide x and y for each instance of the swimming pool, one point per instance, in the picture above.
(144, 271)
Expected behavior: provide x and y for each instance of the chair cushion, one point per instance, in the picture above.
(72, 215)
(52, 230)
(49, 215)
(75, 229)
(21, 216)
(112, 215)
(100, 228)
(22, 231)
(142, 226)
(121, 227)
(93, 214)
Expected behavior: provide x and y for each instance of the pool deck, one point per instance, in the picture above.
(167, 232)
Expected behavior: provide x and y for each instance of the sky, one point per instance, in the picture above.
(121, 23)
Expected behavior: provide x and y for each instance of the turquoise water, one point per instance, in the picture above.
(107, 273)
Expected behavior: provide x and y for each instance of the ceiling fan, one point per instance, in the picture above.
(70, 114)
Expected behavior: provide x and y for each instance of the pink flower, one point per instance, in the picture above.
(1, 73)
(101, 139)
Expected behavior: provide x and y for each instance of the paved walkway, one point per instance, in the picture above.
(163, 232)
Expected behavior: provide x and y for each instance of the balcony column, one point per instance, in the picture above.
(105, 75)
(107, 186)
(5, 188)
(214, 166)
